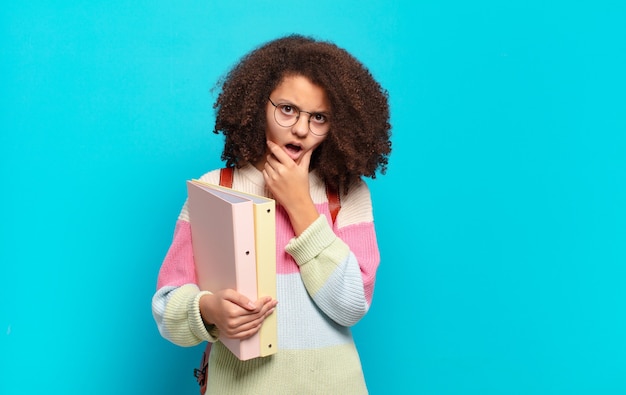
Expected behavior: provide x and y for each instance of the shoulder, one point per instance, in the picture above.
(247, 179)
(356, 205)
(212, 177)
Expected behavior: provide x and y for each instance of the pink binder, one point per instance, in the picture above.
(222, 232)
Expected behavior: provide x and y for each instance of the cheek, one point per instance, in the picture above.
(270, 132)
(319, 141)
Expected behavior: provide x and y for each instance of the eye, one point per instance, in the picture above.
(288, 109)
(319, 118)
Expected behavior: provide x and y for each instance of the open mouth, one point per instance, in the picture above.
(293, 148)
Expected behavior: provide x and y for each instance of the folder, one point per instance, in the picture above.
(244, 219)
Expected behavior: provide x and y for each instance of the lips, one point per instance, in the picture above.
(293, 150)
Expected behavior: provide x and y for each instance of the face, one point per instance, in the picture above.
(297, 92)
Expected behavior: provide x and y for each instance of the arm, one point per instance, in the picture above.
(176, 303)
(185, 315)
(339, 270)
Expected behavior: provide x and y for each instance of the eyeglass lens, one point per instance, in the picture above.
(287, 115)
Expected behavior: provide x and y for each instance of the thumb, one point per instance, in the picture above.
(305, 161)
(241, 300)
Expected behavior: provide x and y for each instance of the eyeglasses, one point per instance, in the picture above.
(286, 115)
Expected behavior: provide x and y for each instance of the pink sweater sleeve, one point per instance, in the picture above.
(362, 241)
(178, 267)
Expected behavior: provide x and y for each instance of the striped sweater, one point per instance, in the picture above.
(325, 282)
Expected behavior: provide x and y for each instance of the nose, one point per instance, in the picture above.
(301, 127)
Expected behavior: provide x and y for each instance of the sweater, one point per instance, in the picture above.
(325, 283)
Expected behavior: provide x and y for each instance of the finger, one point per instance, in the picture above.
(261, 306)
(249, 319)
(280, 155)
(240, 300)
(244, 326)
(305, 161)
(271, 161)
(248, 328)
(272, 145)
(244, 334)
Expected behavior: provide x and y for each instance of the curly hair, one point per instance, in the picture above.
(358, 143)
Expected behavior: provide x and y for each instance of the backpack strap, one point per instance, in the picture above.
(226, 176)
(334, 204)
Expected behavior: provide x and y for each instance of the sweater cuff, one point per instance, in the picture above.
(202, 331)
(317, 237)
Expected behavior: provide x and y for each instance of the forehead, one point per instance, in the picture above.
(300, 91)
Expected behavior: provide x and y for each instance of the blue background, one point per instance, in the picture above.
(501, 221)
